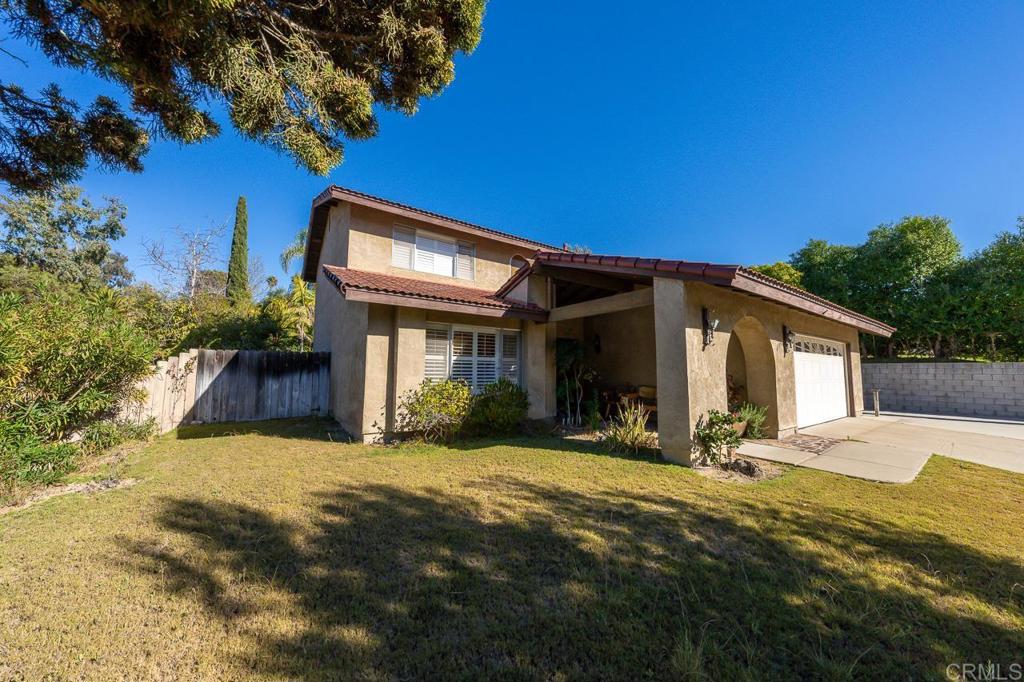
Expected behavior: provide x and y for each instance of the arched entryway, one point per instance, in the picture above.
(750, 370)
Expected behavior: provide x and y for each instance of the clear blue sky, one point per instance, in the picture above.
(723, 134)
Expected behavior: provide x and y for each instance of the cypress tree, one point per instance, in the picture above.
(238, 265)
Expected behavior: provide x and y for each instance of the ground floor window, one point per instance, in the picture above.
(476, 355)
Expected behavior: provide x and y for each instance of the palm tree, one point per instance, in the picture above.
(294, 251)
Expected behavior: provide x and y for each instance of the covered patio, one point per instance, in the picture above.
(684, 338)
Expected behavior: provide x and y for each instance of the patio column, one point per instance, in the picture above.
(670, 334)
(539, 353)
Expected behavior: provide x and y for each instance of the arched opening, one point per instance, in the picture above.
(750, 370)
(517, 262)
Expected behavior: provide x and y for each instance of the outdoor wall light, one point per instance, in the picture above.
(597, 344)
(708, 326)
(788, 339)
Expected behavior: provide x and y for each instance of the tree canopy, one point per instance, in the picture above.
(300, 77)
(784, 272)
(913, 275)
(65, 234)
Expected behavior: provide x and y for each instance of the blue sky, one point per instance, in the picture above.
(728, 134)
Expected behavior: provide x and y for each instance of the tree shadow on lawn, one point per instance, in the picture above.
(540, 581)
(302, 428)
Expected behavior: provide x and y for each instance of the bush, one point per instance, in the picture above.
(68, 359)
(26, 459)
(435, 412)
(755, 416)
(714, 432)
(498, 409)
(627, 431)
(110, 433)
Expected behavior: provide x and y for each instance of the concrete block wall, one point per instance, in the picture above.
(966, 389)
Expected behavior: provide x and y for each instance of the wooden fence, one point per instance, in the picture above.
(202, 386)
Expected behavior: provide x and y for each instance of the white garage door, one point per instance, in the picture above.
(820, 367)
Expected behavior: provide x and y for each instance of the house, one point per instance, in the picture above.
(404, 295)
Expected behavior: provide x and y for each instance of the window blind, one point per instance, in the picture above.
(435, 366)
(464, 261)
(475, 356)
(510, 356)
(403, 246)
(435, 255)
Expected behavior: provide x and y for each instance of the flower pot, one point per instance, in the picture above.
(739, 427)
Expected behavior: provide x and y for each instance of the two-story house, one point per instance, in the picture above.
(404, 295)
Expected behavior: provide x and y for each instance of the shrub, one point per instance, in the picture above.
(755, 416)
(26, 459)
(714, 431)
(68, 359)
(498, 409)
(435, 412)
(627, 431)
(110, 433)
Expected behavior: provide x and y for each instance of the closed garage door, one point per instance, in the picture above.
(820, 367)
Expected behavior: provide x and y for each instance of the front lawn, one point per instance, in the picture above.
(284, 555)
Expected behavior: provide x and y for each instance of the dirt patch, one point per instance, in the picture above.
(762, 471)
(70, 488)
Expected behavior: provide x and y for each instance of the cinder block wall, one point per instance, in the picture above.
(968, 389)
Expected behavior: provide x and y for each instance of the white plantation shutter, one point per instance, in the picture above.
(510, 356)
(464, 261)
(477, 357)
(424, 252)
(486, 360)
(462, 357)
(436, 360)
(435, 255)
(403, 246)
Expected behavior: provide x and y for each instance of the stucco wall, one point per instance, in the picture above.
(334, 251)
(627, 354)
(369, 248)
(969, 389)
(758, 323)
(730, 307)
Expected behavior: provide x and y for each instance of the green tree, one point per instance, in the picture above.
(826, 269)
(300, 77)
(237, 289)
(894, 268)
(65, 234)
(1000, 286)
(294, 251)
(784, 272)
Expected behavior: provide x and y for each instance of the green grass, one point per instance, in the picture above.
(283, 555)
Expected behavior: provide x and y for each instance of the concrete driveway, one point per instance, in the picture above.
(894, 447)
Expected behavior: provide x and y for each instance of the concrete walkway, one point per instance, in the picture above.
(893, 448)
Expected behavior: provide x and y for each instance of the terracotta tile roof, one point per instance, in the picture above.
(375, 282)
(342, 192)
(734, 276)
(333, 194)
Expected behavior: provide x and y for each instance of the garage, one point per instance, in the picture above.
(821, 385)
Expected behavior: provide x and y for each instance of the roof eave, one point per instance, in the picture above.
(320, 211)
(402, 300)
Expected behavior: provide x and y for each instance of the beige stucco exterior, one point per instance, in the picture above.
(369, 248)
(378, 350)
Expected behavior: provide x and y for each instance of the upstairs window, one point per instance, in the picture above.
(426, 252)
